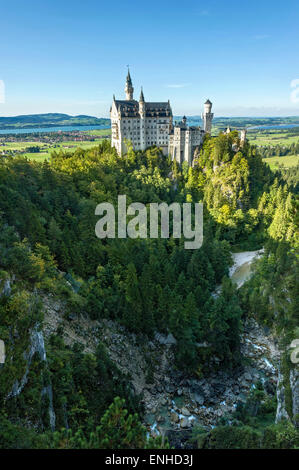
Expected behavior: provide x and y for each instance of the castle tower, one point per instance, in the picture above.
(142, 121)
(207, 117)
(129, 89)
(243, 136)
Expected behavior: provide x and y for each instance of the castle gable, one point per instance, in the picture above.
(130, 108)
(159, 109)
(127, 108)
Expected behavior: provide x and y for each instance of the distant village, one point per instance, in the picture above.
(50, 139)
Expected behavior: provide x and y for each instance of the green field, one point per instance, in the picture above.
(103, 132)
(21, 145)
(288, 161)
(37, 157)
(272, 138)
(47, 149)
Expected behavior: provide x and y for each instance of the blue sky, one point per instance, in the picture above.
(70, 56)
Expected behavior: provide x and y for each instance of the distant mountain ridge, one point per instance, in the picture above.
(29, 121)
(50, 120)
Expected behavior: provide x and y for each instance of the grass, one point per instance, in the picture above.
(37, 157)
(22, 145)
(103, 132)
(47, 149)
(287, 161)
(272, 138)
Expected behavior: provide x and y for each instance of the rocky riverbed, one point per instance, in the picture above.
(174, 402)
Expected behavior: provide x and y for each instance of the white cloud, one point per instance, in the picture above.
(178, 85)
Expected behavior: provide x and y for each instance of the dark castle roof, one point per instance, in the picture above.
(129, 80)
(130, 108)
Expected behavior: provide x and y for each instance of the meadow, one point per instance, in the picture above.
(272, 137)
(288, 161)
(69, 146)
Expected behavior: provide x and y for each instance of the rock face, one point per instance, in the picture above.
(293, 380)
(5, 286)
(170, 396)
(294, 384)
(281, 412)
(37, 345)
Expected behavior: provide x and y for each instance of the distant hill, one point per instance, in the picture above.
(245, 121)
(29, 121)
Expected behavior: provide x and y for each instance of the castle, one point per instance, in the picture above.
(146, 123)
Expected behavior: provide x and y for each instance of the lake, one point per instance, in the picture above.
(35, 130)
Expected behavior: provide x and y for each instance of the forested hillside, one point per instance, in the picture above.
(48, 250)
(29, 121)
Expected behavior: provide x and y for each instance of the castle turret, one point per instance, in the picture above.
(243, 136)
(129, 89)
(142, 120)
(141, 103)
(207, 116)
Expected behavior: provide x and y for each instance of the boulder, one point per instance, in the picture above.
(248, 377)
(184, 423)
(160, 419)
(166, 340)
(185, 411)
(174, 418)
(198, 398)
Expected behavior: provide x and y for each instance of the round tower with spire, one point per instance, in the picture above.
(129, 89)
(207, 116)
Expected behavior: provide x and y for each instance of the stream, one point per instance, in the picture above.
(241, 271)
